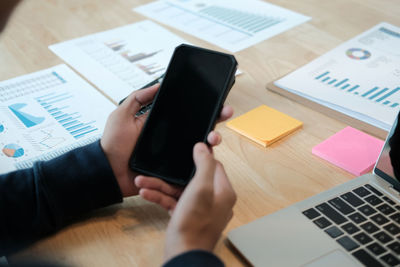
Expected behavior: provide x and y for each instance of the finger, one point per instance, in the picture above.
(214, 138)
(139, 98)
(226, 113)
(225, 196)
(205, 163)
(165, 201)
(143, 117)
(202, 185)
(145, 182)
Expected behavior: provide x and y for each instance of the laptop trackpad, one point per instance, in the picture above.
(332, 259)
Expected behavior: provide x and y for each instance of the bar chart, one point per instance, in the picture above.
(121, 60)
(249, 22)
(231, 24)
(122, 48)
(58, 107)
(377, 94)
(50, 112)
(132, 58)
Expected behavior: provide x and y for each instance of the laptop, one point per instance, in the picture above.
(353, 224)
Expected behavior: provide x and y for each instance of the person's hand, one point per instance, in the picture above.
(167, 195)
(203, 210)
(120, 136)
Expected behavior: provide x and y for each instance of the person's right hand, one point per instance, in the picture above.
(203, 210)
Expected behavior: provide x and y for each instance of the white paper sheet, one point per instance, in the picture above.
(47, 113)
(231, 24)
(361, 77)
(121, 60)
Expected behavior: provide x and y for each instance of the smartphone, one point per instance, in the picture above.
(185, 110)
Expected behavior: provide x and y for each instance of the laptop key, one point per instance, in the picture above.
(395, 217)
(347, 243)
(362, 238)
(311, 213)
(361, 191)
(392, 228)
(357, 218)
(383, 237)
(365, 258)
(390, 259)
(395, 247)
(367, 210)
(352, 199)
(369, 227)
(350, 228)
(373, 200)
(373, 189)
(332, 214)
(322, 222)
(333, 232)
(388, 200)
(341, 206)
(376, 249)
(379, 219)
(385, 209)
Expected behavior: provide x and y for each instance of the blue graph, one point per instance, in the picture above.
(27, 119)
(376, 93)
(57, 106)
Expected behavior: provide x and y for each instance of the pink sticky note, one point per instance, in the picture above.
(351, 150)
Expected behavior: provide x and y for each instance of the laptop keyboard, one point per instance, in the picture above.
(364, 222)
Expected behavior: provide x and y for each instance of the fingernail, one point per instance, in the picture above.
(201, 147)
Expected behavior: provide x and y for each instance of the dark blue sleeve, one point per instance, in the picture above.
(38, 201)
(195, 258)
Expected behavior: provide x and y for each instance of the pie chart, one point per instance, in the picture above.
(13, 151)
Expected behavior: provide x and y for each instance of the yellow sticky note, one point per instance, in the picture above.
(264, 125)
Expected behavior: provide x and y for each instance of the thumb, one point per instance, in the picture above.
(205, 164)
(139, 98)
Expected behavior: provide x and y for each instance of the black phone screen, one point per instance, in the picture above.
(183, 113)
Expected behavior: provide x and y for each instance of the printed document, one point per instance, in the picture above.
(47, 113)
(230, 24)
(121, 60)
(360, 78)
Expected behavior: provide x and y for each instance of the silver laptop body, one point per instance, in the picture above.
(322, 231)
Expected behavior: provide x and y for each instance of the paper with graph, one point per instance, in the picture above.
(360, 77)
(123, 59)
(231, 24)
(47, 113)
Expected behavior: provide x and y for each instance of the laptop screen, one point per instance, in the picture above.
(388, 165)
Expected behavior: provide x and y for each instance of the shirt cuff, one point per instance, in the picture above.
(195, 258)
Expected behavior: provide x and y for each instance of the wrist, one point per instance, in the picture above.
(176, 246)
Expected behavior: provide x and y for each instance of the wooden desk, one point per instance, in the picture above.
(265, 179)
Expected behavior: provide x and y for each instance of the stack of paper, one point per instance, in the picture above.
(264, 125)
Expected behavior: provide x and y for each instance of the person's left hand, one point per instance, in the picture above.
(119, 139)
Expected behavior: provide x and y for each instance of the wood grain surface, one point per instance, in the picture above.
(265, 179)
